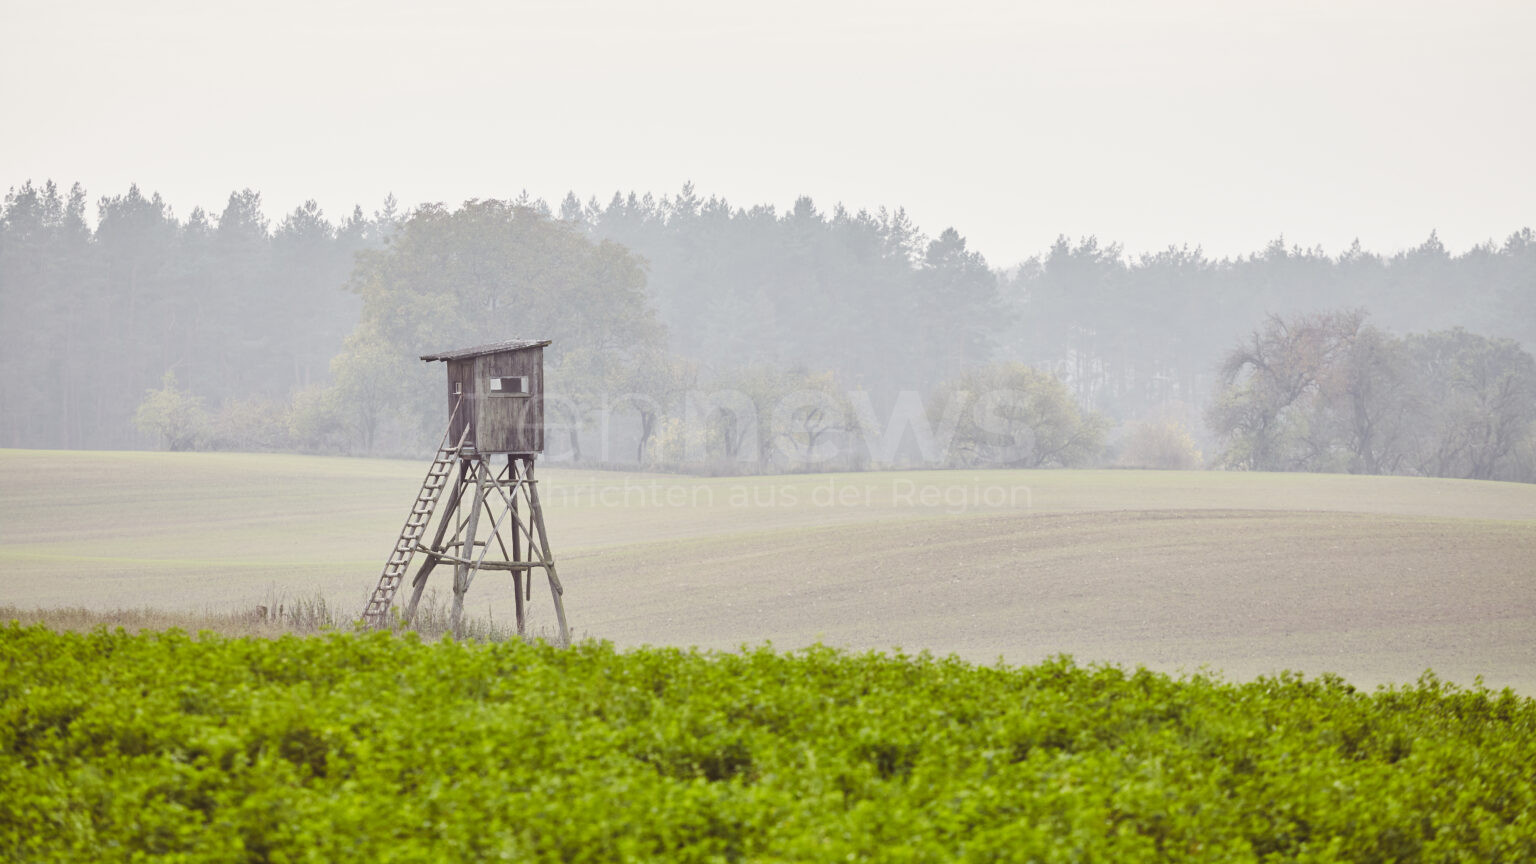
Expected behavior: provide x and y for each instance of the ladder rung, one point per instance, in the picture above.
(416, 522)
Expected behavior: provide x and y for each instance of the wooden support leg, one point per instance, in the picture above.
(461, 571)
(517, 555)
(555, 589)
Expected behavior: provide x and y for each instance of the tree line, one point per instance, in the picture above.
(1132, 334)
(304, 335)
(1330, 392)
(238, 311)
(870, 296)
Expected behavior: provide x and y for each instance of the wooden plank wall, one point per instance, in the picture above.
(463, 372)
(510, 424)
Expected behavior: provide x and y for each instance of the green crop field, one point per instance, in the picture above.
(1373, 578)
(378, 747)
(118, 747)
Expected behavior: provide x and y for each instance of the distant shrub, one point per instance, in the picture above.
(172, 415)
(1521, 466)
(1162, 444)
(315, 421)
(249, 425)
(1009, 415)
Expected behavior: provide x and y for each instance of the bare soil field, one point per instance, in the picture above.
(1372, 578)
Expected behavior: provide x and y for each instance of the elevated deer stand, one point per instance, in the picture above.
(503, 413)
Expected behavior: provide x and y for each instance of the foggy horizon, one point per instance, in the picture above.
(1191, 124)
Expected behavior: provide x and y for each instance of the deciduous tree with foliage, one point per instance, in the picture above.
(173, 416)
(655, 388)
(1267, 406)
(1013, 416)
(1474, 404)
(1161, 444)
(489, 271)
(1324, 392)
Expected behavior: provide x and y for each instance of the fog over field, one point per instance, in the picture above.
(891, 200)
(831, 239)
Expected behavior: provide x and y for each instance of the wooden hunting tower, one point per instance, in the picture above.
(495, 408)
(504, 386)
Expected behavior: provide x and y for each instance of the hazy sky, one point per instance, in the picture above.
(1222, 124)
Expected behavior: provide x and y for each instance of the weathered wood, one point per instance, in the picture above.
(502, 479)
(510, 498)
(555, 588)
(498, 419)
(461, 387)
(510, 423)
(461, 571)
(493, 564)
(517, 575)
(376, 613)
(491, 348)
(496, 397)
(419, 583)
(486, 546)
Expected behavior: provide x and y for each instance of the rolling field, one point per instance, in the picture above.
(1372, 578)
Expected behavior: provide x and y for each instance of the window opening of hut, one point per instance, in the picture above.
(458, 387)
(513, 385)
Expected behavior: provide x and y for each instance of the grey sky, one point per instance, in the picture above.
(1221, 124)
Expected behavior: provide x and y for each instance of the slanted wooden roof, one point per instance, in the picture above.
(492, 348)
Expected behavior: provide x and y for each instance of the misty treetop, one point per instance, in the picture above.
(865, 294)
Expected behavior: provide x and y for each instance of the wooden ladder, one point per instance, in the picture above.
(437, 479)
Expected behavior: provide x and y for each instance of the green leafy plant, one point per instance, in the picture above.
(378, 747)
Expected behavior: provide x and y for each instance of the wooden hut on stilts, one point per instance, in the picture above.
(492, 519)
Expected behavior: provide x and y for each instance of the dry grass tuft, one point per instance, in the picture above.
(279, 615)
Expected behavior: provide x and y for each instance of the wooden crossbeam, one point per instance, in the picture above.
(487, 502)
